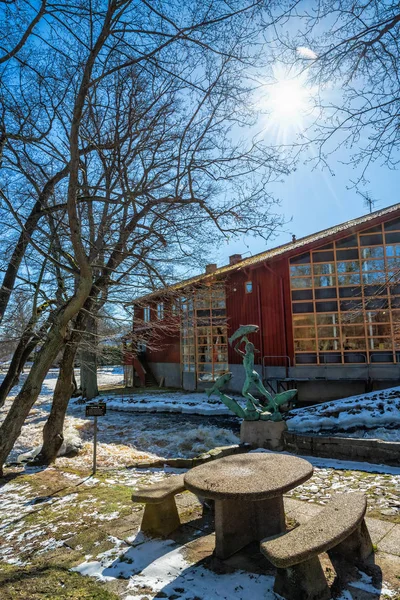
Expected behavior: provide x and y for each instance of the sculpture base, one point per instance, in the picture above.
(263, 434)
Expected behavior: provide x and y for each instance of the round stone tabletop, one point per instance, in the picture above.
(255, 476)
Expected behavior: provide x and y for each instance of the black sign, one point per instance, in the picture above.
(96, 409)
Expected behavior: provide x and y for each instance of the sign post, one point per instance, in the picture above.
(95, 409)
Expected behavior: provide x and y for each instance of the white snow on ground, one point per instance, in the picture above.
(195, 403)
(123, 437)
(154, 565)
(378, 412)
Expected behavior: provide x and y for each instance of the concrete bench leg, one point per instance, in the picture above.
(354, 549)
(305, 581)
(239, 523)
(160, 519)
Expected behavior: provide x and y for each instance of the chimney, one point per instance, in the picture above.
(235, 258)
(293, 237)
(211, 268)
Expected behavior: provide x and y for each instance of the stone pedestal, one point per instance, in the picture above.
(263, 434)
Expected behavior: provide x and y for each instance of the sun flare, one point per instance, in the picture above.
(287, 103)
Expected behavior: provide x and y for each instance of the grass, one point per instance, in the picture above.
(48, 582)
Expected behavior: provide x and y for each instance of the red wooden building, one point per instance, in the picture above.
(327, 305)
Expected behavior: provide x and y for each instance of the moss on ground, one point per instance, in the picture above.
(48, 582)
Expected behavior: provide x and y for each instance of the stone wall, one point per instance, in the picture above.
(372, 451)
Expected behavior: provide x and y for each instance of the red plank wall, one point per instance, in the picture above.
(267, 306)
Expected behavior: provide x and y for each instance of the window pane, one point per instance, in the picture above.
(306, 359)
(377, 316)
(376, 252)
(392, 225)
(352, 317)
(374, 277)
(327, 255)
(301, 282)
(325, 281)
(304, 345)
(353, 330)
(303, 307)
(373, 265)
(300, 270)
(304, 332)
(325, 293)
(350, 266)
(327, 319)
(354, 344)
(301, 259)
(352, 279)
(326, 306)
(302, 295)
(305, 319)
(378, 330)
(393, 250)
(392, 238)
(371, 239)
(328, 332)
(324, 345)
(324, 268)
(348, 242)
(249, 287)
(380, 343)
(347, 254)
(350, 292)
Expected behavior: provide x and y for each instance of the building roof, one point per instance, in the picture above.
(291, 247)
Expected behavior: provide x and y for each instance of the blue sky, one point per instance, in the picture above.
(315, 200)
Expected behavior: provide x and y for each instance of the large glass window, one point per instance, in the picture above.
(204, 333)
(346, 299)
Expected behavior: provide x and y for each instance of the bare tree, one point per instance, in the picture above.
(154, 172)
(350, 51)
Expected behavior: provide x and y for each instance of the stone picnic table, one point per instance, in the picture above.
(248, 493)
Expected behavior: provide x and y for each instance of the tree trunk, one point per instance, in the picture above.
(12, 425)
(53, 430)
(89, 360)
(18, 361)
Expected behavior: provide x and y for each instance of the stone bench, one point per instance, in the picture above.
(160, 515)
(338, 529)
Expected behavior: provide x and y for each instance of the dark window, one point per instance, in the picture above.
(350, 292)
(327, 306)
(376, 303)
(350, 305)
(301, 259)
(325, 256)
(395, 302)
(303, 307)
(348, 242)
(355, 357)
(377, 229)
(325, 293)
(379, 357)
(371, 240)
(330, 357)
(392, 238)
(326, 247)
(392, 225)
(347, 254)
(375, 290)
(306, 359)
(394, 289)
(302, 295)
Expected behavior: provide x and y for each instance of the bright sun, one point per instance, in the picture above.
(288, 102)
